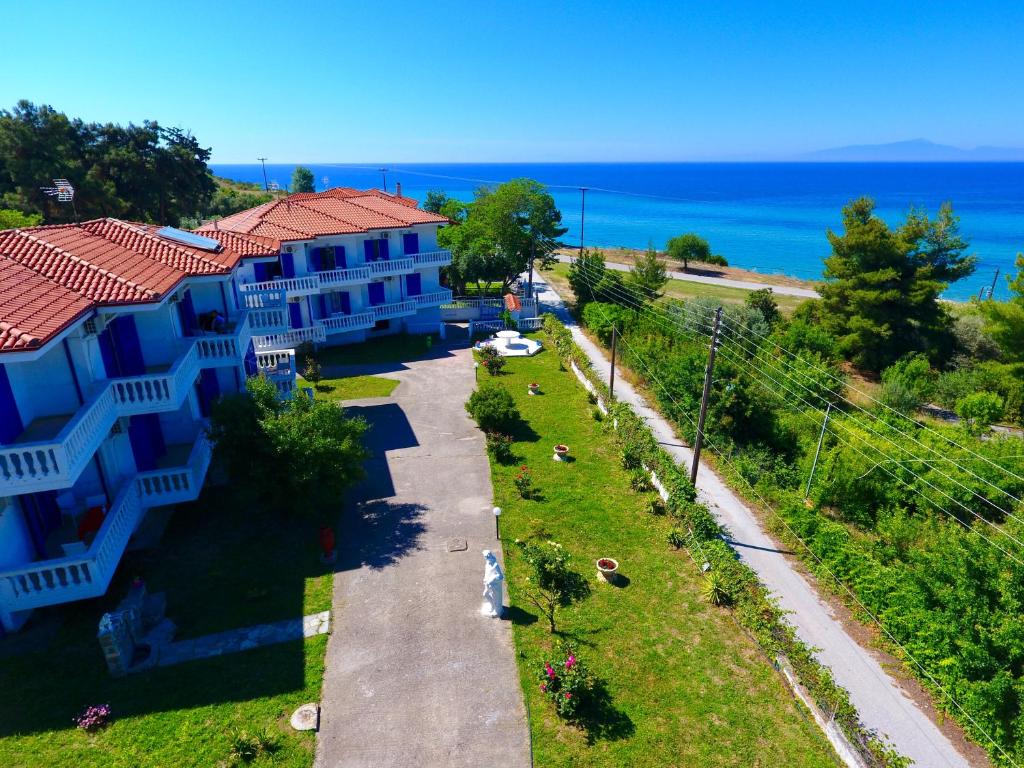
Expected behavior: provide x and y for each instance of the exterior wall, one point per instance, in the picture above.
(43, 387)
(15, 542)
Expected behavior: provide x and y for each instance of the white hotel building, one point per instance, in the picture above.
(115, 338)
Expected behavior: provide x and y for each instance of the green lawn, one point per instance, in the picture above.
(351, 387)
(388, 349)
(689, 688)
(681, 289)
(223, 564)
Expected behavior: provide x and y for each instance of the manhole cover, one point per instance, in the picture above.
(457, 545)
(306, 717)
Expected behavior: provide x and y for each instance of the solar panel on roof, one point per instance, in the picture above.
(188, 238)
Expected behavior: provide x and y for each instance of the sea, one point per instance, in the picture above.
(767, 217)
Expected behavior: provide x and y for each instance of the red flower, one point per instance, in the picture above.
(568, 695)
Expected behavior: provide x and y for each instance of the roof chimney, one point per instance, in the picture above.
(398, 189)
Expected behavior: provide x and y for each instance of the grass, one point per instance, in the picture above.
(687, 686)
(558, 276)
(351, 387)
(223, 565)
(387, 349)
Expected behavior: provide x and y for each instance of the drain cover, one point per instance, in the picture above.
(457, 545)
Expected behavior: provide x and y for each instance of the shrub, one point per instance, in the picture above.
(567, 684)
(599, 318)
(716, 260)
(978, 410)
(94, 717)
(499, 446)
(523, 482)
(640, 482)
(312, 372)
(716, 590)
(246, 747)
(764, 302)
(597, 413)
(491, 359)
(493, 409)
(552, 582)
(655, 506)
(676, 537)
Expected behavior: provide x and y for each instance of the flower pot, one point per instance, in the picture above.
(607, 569)
(533, 389)
(561, 451)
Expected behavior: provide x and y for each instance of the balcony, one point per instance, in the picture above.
(291, 286)
(336, 278)
(387, 268)
(433, 259)
(288, 339)
(395, 309)
(347, 323)
(86, 575)
(39, 461)
(433, 299)
(279, 368)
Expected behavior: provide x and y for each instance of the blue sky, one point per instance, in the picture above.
(543, 81)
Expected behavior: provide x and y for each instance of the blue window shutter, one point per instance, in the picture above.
(384, 249)
(187, 314)
(339, 257)
(107, 353)
(368, 250)
(249, 361)
(413, 285)
(127, 348)
(10, 419)
(376, 293)
(260, 273)
(287, 265)
(346, 303)
(411, 243)
(323, 305)
(209, 390)
(147, 439)
(295, 315)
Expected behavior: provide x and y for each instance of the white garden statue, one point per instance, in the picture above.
(493, 577)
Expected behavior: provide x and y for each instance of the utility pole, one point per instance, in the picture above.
(583, 210)
(384, 176)
(266, 184)
(699, 442)
(814, 464)
(533, 255)
(611, 379)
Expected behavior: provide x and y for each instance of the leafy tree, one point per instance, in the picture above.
(11, 218)
(910, 380)
(764, 302)
(142, 172)
(978, 410)
(435, 201)
(1005, 319)
(552, 583)
(649, 275)
(882, 298)
(688, 247)
(312, 373)
(302, 180)
(299, 455)
(501, 230)
(585, 272)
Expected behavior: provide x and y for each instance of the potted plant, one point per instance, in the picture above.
(534, 388)
(607, 568)
(561, 451)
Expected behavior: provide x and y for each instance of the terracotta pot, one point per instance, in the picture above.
(607, 569)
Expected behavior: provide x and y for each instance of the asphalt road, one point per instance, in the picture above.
(879, 698)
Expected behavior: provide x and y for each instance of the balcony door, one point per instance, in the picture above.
(376, 293)
(10, 419)
(120, 348)
(376, 250)
(147, 440)
(411, 243)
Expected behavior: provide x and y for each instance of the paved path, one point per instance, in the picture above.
(246, 638)
(415, 677)
(783, 290)
(882, 703)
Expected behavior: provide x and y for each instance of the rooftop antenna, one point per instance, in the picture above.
(64, 192)
(263, 160)
(384, 175)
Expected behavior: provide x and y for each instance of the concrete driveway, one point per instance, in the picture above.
(415, 676)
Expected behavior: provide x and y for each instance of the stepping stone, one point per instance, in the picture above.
(457, 545)
(306, 717)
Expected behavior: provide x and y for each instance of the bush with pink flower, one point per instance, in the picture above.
(567, 683)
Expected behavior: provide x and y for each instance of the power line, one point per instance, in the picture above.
(837, 580)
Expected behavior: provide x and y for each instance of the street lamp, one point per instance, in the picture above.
(476, 372)
(497, 518)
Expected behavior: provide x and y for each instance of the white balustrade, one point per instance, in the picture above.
(434, 298)
(344, 323)
(433, 258)
(391, 267)
(395, 309)
(293, 286)
(179, 484)
(335, 277)
(268, 320)
(288, 339)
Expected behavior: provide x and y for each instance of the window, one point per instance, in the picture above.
(382, 325)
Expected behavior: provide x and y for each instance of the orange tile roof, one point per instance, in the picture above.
(338, 211)
(512, 303)
(52, 275)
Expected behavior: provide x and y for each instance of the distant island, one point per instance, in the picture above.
(914, 150)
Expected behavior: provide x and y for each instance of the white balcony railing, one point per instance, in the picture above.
(337, 277)
(65, 579)
(434, 298)
(433, 259)
(292, 286)
(384, 268)
(279, 367)
(345, 323)
(57, 463)
(289, 339)
(395, 309)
